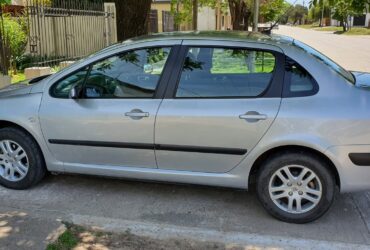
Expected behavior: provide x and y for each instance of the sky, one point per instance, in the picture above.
(298, 1)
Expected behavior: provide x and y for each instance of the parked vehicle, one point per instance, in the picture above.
(231, 109)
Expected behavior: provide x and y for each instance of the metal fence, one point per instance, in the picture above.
(4, 48)
(68, 30)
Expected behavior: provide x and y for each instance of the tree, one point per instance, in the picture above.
(271, 10)
(297, 14)
(186, 11)
(240, 11)
(343, 9)
(322, 4)
(132, 18)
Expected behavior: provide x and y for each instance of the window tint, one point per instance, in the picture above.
(134, 74)
(225, 72)
(62, 89)
(131, 75)
(301, 83)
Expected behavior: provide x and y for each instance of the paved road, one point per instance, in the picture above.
(29, 218)
(351, 52)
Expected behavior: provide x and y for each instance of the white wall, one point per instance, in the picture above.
(367, 19)
(206, 19)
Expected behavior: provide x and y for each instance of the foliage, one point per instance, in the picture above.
(67, 240)
(15, 31)
(297, 13)
(183, 9)
(271, 10)
(342, 9)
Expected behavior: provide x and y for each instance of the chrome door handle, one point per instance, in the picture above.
(137, 114)
(253, 116)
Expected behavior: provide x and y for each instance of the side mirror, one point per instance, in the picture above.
(74, 93)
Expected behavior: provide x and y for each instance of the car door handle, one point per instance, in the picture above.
(253, 116)
(137, 114)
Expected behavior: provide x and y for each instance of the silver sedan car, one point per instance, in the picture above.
(231, 109)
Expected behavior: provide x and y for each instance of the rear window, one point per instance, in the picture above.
(225, 72)
(326, 60)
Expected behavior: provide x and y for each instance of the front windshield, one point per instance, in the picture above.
(341, 71)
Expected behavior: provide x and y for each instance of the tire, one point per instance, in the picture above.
(276, 191)
(33, 165)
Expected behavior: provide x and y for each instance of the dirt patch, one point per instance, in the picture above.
(79, 238)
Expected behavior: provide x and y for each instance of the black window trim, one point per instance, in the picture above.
(287, 93)
(161, 85)
(274, 89)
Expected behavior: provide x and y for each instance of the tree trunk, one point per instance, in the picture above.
(132, 18)
(238, 12)
(255, 15)
(195, 14)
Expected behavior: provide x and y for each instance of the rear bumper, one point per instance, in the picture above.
(353, 166)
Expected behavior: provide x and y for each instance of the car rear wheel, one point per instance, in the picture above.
(21, 161)
(296, 187)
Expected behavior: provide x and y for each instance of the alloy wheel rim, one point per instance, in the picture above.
(295, 189)
(14, 164)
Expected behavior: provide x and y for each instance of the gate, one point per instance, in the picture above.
(67, 30)
(168, 21)
(359, 20)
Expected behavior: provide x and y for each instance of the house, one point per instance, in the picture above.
(356, 21)
(213, 19)
(161, 19)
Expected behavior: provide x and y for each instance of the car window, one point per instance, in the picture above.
(62, 88)
(134, 74)
(300, 82)
(225, 72)
(334, 66)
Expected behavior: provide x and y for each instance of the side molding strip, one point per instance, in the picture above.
(360, 159)
(162, 147)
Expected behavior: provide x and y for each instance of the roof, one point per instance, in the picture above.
(209, 35)
(214, 35)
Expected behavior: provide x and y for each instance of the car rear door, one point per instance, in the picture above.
(220, 101)
(112, 124)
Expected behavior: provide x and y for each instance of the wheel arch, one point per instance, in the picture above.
(290, 148)
(9, 124)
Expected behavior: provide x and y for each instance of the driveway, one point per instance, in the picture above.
(29, 219)
(351, 52)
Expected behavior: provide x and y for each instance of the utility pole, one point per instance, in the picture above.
(256, 15)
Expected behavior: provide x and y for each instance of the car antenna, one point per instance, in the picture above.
(268, 31)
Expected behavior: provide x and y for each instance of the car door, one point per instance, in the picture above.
(112, 122)
(219, 104)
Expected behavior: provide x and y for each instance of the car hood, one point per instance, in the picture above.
(15, 89)
(362, 79)
(21, 89)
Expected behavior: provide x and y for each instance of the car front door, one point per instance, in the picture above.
(112, 121)
(219, 104)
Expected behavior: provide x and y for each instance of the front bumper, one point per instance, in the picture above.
(352, 177)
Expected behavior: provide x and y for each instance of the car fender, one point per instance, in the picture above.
(22, 110)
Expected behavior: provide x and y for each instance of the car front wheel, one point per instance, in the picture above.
(21, 161)
(296, 187)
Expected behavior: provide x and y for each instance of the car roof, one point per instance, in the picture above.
(244, 36)
(214, 35)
